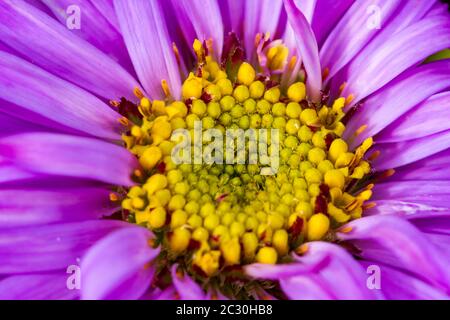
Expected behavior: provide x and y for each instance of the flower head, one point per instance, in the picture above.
(224, 149)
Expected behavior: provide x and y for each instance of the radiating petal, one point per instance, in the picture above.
(401, 153)
(106, 8)
(53, 47)
(187, 288)
(169, 293)
(424, 120)
(407, 208)
(50, 247)
(398, 53)
(66, 155)
(354, 31)
(261, 16)
(397, 285)
(11, 125)
(307, 8)
(9, 172)
(183, 28)
(27, 206)
(307, 48)
(430, 192)
(438, 223)
(406, 13)
(40, 92)
(206, 19)
(326, 14)
(398, 97)
(147, 38)
(430, 168)
(326, 271)
(94, 28)
(116, 267)
(37, 287)
(233, 16)
(397, 243)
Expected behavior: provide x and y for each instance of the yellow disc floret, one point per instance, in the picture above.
(210, 216)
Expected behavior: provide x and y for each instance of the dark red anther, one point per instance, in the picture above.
(351, 248)
(232, 50)
(321, 205)
(199, 72)
(128, 109)
(325, 96)
(324, 190)
(206, 97)
(296, 227)
(350, 113)
(329, 138)
(205, 47)
(188, 103)
(222, 197)
(304, 104)
(194, 245)
(199, 271)
(161, 167)
(270, 84)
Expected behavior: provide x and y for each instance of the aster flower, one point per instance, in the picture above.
(88, 177)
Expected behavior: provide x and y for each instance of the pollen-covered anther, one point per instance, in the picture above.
(211, 216)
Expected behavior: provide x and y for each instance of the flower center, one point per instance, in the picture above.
(211, 214)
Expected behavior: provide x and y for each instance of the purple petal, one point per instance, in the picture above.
(307, 48)
(183, 29)
(53, 47)
(233, 16)
(400, 96)
(116, 267)
(311, 287)
(11, 125)
(412, 191)
(326, 14)
(206, 19)
(397, 285)
(95, 28)
(261, 16)
(407, 208)
(393, 241)
(407, 12)
(106, 8)
(438, 223)
(49, 247)
(431, 168)
(439, 8)
(40, 5)
(147, 39)
(29, 206)
(352, 33)
(307, 8)
(9, 172)
(326, 271)
(401, 51)
(66, 155)
(187, 288)
(51, 97)
(169, 293)
(423, 120)
(411, 198)
(401, 153)
(37, 287)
